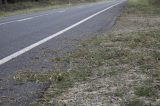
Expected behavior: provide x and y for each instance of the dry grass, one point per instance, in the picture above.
(118, 69)
(125, 76)
(129, 72)
(31, 7)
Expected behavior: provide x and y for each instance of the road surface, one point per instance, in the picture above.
(23, 38)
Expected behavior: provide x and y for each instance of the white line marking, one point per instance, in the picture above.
(7, 22)
(41, 15)
(80, 7)
(24, 50)
(62, 11)
(24, 19)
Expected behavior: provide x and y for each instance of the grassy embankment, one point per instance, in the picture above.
(120, 68)
(29, 7)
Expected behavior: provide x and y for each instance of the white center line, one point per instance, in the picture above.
(80, 7)
(6, 22)
(41, 15)
(62, 11)
(24, 19)
(24, 50)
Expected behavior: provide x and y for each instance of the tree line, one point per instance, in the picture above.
(4, 2)
(13, 1)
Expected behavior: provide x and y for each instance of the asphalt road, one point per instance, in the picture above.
(23, 38)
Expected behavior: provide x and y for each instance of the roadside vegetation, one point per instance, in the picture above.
(121, 68)
(13, 7)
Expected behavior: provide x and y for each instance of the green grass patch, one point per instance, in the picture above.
(119, 93)
(147, 91)
(141, 7)
(135, 102)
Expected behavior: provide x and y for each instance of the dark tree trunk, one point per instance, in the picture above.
(0, 2)
(5, 2)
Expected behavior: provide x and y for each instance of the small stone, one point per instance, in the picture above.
(1, 103)
(1, 88)
(158, 100)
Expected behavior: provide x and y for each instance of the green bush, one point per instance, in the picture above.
(155, 2)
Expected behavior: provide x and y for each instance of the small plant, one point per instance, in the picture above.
(156, 55)
(145, 91)
(24, 76)
(60, 76)
(119, 93)
(135, 102)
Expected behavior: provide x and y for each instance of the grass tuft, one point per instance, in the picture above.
(145, 91)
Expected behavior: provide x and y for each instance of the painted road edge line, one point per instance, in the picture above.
(24, 50)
